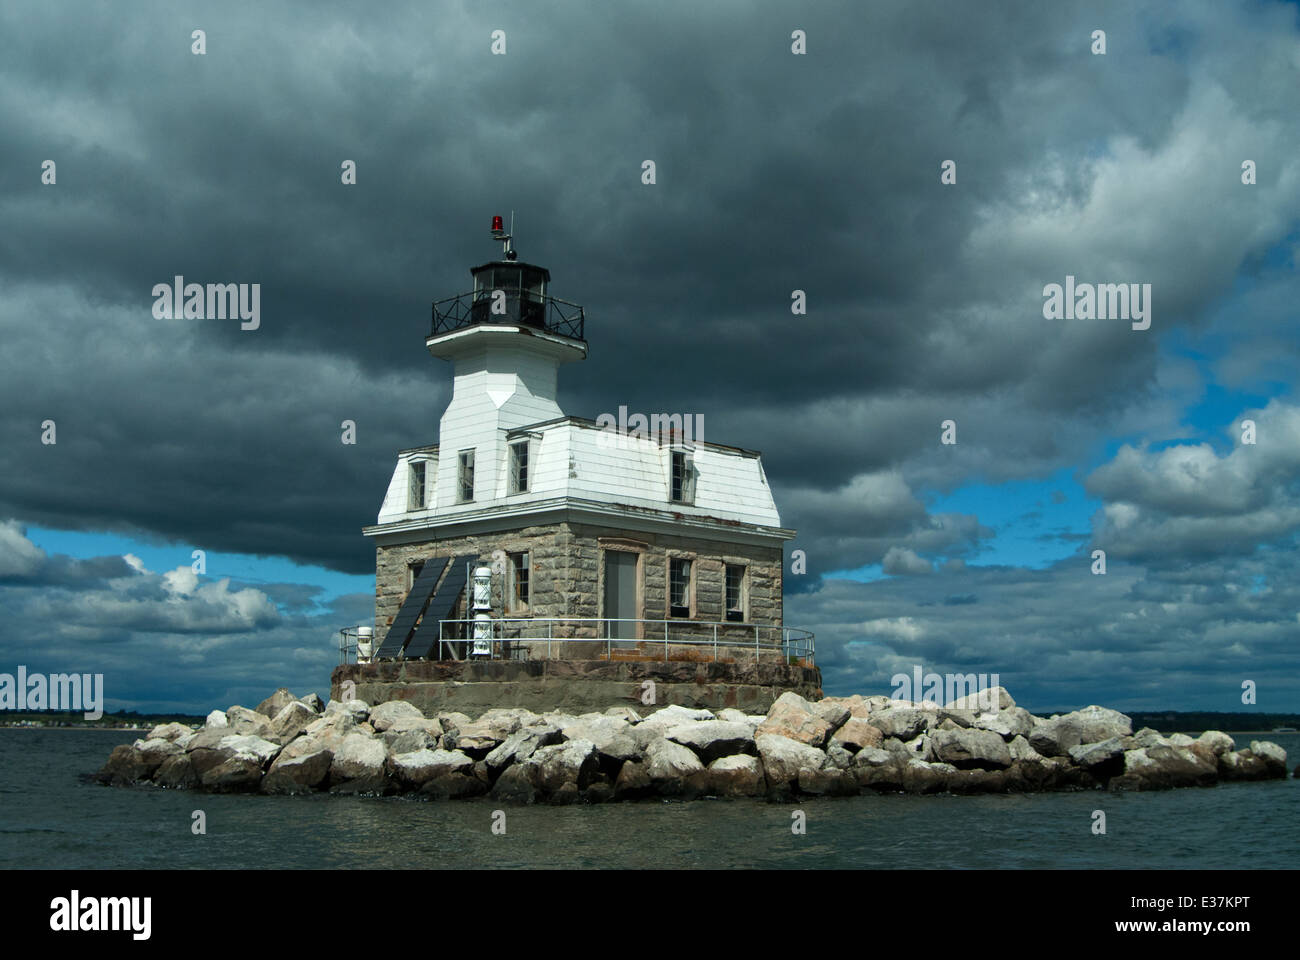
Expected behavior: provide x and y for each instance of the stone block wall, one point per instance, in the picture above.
(573, 686)
(567, 577)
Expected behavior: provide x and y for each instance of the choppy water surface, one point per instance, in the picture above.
(49, 818)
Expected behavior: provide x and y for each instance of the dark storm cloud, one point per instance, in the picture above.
(775, 173)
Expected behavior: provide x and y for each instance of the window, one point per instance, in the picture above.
(415, 491)
(736, 592)
(519, 581)
(413, 570)
(679, 587)
(465, 481)
(519, 467)
(683, 480)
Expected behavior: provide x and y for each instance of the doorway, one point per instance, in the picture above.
(620, 593)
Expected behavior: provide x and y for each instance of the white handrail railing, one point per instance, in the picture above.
(536, 638)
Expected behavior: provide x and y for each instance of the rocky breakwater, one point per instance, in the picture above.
(836, 746)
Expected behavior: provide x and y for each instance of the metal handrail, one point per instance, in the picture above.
(505, 637)
(551, 314)
(349, 638)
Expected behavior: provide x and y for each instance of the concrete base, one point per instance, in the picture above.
(573, 686)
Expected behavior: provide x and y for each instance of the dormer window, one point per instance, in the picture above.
(682, 488)
(465, 478)
(519, 467)
(416, 487)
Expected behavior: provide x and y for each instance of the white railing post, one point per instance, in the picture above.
(550, 624)
(665, 640)
(756, 643)
(715, 643)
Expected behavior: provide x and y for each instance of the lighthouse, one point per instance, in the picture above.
(533, 558)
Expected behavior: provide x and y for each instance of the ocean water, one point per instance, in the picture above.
(49, 818)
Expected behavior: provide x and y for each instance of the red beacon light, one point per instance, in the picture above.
(499, 233)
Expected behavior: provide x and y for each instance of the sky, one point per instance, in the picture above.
(775, 171)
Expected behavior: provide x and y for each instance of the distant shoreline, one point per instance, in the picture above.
(82, 726)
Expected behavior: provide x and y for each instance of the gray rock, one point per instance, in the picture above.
(358, 757)
(153, 752)
(1008, 724)
(737, 776)
(241, 773)
(711, 739)
(290, 721)
(611, 735)
(384, 715)
(571, 762)
(1147, 737)
(453, 786)
(1092, 724)
(1020, 749)
(298, 774)
(1162, 767)
(409, 741)
(625, 713)
(521, 745)
(902, 723)
(832, 711)
(233, 752)
(922, 777)
(514, 786)
(839, 757)
(633, 781)
(416, 769)
(669, 763)
(1217, 742)
(674, 715)
(170, 731)
(965, 749)
(897, 748)
(359, 710)
(878, 769)
(1274, 757)
(479, 737)
(921, 748)
(217, 718)
(1098, 755)
(124, 766)
(245, 722)
(313, 702)
(994, 698)
(257, 748)
(783, 758)
(831, 782)
(275, 703)
(176, 773)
